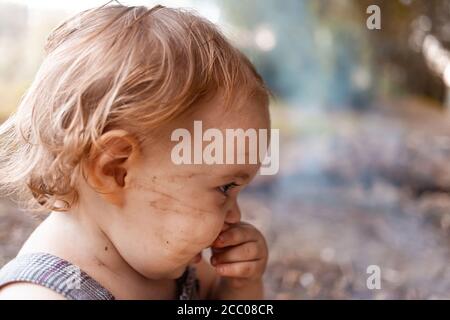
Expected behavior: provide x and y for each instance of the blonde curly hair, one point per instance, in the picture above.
(111, 67)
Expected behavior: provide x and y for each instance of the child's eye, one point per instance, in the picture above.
(224, 189)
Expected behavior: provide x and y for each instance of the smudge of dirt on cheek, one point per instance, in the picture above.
(155, 204)
(155, 180)
(152, 188)
(171, 204)
(166, 202)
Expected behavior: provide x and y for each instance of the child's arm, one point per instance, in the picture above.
(239, 260)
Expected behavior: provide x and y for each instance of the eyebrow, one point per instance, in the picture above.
(242, 175)
(239, 174)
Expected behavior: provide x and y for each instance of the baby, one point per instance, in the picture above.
(91, 142)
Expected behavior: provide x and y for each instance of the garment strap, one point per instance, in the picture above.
(54, 273)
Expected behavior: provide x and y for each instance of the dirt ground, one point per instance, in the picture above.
(354, 190)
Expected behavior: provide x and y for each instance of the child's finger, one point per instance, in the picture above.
(235, 236)
(244, 252)
(244, 269)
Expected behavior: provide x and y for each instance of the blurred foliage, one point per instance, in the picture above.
(325, 55)
(392, 46)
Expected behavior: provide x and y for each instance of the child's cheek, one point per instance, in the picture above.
(203, 229)
(193, 223)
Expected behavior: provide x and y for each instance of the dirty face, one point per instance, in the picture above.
(172, 212)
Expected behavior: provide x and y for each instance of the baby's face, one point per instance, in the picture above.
(171, 211)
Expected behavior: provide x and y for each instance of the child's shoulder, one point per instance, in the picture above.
(28, 291)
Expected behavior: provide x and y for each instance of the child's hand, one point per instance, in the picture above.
(240, 254)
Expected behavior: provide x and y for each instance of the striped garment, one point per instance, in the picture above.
(70, 281)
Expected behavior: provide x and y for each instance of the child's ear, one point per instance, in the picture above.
(110, 162)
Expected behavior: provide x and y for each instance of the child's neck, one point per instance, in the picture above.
(84, 244)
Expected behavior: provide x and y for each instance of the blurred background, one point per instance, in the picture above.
(365, 137)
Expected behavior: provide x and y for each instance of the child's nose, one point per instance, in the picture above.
(233, 214)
